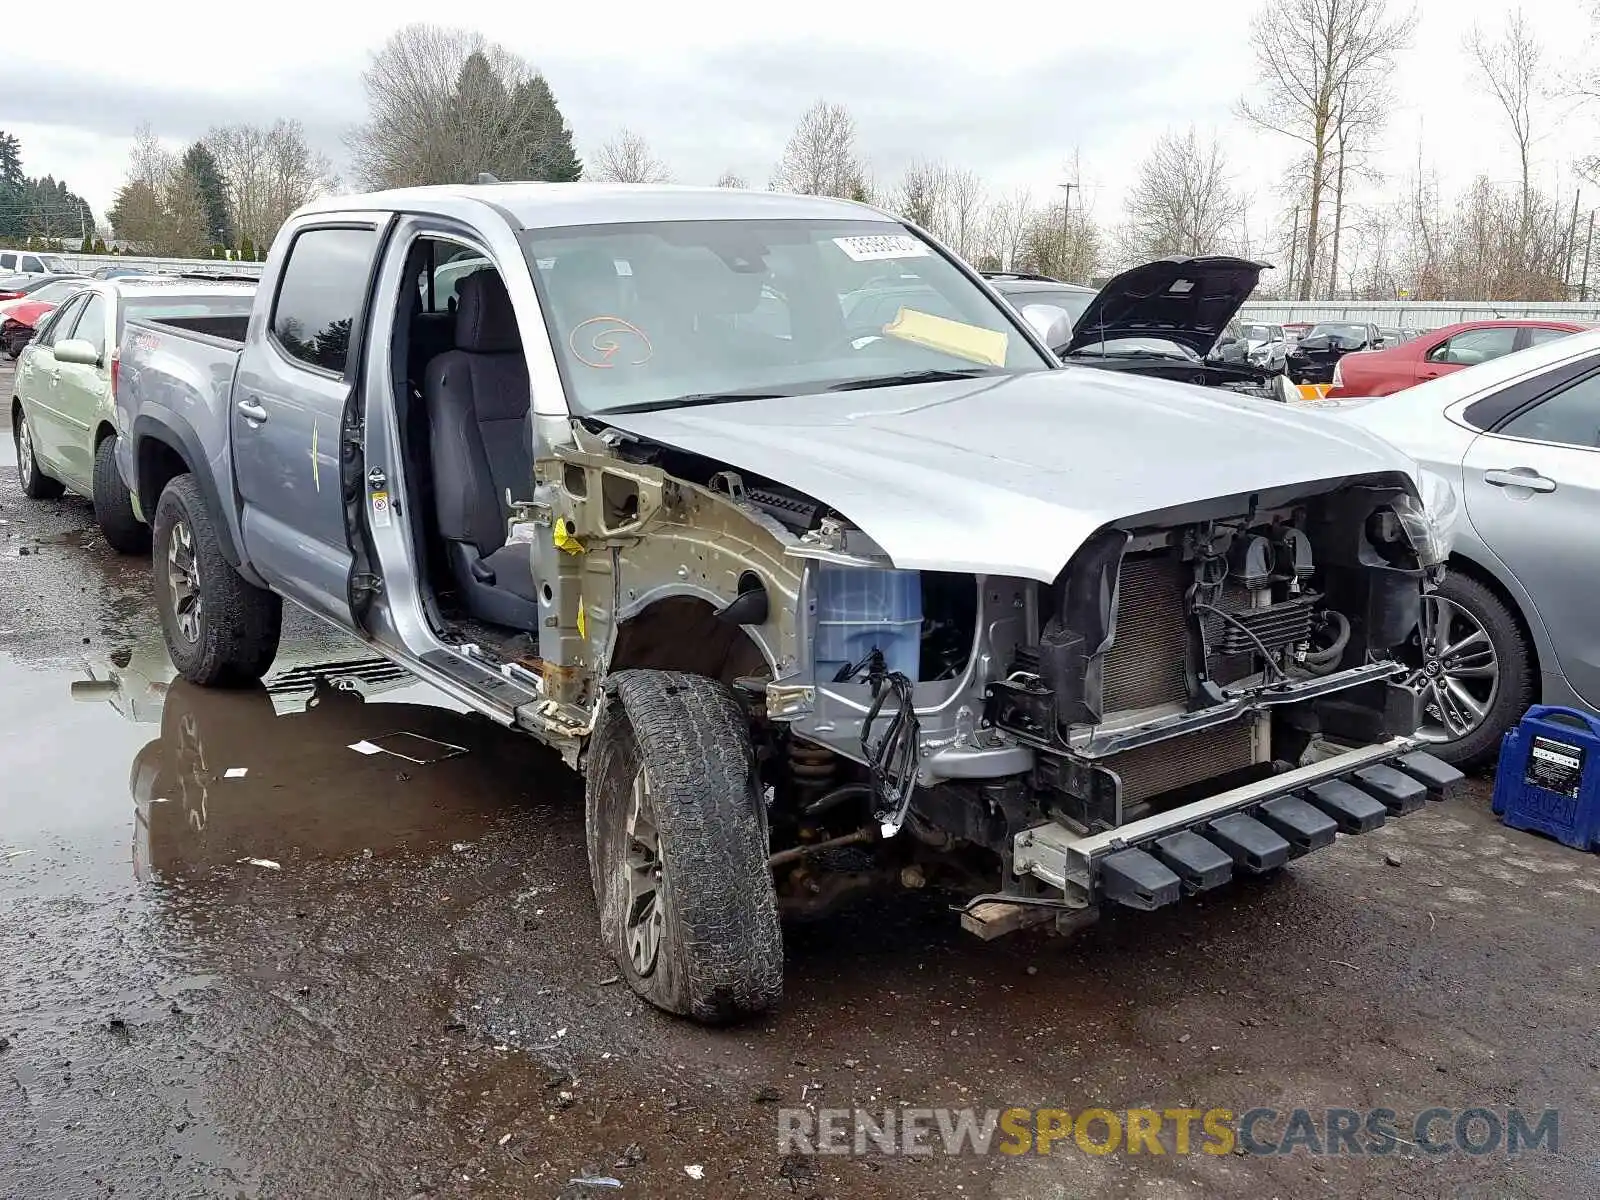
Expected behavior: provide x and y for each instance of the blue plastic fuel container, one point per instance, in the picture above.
(1549, 776)
(860, 608)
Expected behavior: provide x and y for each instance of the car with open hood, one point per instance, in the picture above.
(816, 604)
(1164, 319)
(1316, 355)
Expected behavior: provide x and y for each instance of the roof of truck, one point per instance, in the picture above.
(550, 205)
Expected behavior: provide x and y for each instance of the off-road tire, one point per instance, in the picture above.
(36, 485)
(720, 955)
(239, 623)
(113, 503)
(1515, 692)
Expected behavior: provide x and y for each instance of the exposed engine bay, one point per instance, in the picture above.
(1178, 657)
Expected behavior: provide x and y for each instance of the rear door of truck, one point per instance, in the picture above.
(292, 402)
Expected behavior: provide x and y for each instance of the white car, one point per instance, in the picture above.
(1512, 624)
(1266, 346)
(28, 262)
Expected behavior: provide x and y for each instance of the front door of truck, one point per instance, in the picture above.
(291, 400)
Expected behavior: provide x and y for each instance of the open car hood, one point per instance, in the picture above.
(1186, 300)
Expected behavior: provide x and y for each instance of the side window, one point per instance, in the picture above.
(64, 317)
(1474, 346)
(8, 261)
(91, 326)
(1538, 337)
(1571, 417)
(322, 294)
(29, 263)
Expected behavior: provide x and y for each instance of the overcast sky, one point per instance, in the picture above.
(722, 88)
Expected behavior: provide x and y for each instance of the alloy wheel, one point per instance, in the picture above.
(1459, 671)
(183, 578)
(641, 867)
(24, 450)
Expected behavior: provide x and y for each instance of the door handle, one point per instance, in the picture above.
(252, 411)
(1522, 477)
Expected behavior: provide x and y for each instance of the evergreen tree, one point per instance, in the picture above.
(555, 161)
(199, 164)
(247, 249)
(11, 181)
(99, 247)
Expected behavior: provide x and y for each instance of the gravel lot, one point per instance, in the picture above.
(412, 1000)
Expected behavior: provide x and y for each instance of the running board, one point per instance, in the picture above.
(1252, 829)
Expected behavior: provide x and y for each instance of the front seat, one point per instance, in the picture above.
(477, 401)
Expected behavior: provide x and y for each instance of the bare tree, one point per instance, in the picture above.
(626, 158)
(1509, 67)
(731, 179)
(1007, 229)
(267, 172)
(1311, 54)
(1062, 243)
(919, 196)
(820, 157)
(963, 217)
(1183, 201)
(445, 104)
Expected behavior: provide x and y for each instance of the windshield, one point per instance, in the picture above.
(1340, 333)
(1137, 347)
(1262, 333)
(54, 264)
(55, 293)
(652, 314)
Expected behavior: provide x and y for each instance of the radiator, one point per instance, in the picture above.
(1145, 667)
(1181, 761)
(1145, 664)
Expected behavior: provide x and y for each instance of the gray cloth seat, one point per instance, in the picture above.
(477, 402)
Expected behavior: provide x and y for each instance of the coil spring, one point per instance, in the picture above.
(812, 767)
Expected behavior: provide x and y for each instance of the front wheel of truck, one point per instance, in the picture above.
(220, 629)
(678, 847)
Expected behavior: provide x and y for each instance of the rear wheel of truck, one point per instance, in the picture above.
(36, 485)
(220, 629)
(113, 503)
(678, 847)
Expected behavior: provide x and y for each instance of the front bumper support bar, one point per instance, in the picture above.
(1255, 828)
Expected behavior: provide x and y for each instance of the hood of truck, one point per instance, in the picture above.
(1010, 475)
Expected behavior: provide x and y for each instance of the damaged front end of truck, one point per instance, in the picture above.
(1202, 691)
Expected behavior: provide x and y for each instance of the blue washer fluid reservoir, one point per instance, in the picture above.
(858, 608)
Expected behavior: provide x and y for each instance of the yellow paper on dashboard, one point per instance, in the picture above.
(972, 342)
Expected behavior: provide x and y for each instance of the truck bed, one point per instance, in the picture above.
(229, 328)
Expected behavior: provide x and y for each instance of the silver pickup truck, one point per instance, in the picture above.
(815, 608)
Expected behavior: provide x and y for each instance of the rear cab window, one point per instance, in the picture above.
(322, 294)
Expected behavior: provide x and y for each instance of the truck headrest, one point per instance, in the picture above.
(485, 320)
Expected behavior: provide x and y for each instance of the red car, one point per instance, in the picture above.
(1438, 352)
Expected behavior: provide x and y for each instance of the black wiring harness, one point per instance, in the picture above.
(893, 760)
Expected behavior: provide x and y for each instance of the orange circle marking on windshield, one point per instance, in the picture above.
(604, 345)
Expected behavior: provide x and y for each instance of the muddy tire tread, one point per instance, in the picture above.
(240, 623)
(722, 950)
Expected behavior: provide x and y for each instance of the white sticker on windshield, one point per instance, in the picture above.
(872, 247)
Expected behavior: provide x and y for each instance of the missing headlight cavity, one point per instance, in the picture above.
(1254, 609)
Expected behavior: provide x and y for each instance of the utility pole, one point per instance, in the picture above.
(1294, 247)
(1583, 287)
(1572, 244)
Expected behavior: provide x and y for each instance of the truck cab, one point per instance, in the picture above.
(815, 609)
